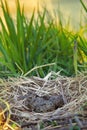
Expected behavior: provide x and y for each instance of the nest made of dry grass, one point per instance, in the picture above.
(73, 91)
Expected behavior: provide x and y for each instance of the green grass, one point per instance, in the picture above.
(34, 42)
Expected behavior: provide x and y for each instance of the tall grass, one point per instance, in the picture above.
(83, 43)
(35, 42)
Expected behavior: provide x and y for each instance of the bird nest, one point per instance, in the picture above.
(34, 100)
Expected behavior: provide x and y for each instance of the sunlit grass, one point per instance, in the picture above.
(29, 43)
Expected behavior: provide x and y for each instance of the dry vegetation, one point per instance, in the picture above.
(18, 92)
